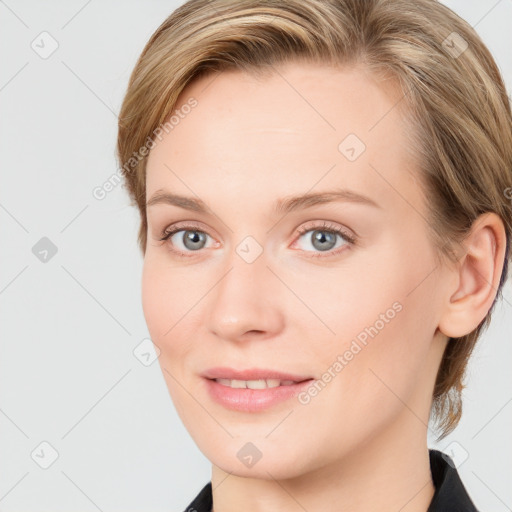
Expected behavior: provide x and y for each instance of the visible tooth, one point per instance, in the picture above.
(256, 384)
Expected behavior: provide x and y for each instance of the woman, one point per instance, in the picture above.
(252, 134)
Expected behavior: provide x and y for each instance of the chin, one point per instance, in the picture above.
(259, 459)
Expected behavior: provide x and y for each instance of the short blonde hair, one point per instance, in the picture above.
(454, 95)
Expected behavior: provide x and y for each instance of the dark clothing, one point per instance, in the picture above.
(449, 496)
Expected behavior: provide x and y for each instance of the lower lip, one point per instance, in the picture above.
(253, 400)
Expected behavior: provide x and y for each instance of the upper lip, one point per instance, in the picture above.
(251, 374)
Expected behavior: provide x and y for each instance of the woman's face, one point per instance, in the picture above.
(261, 281)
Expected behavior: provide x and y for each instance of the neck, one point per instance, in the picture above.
(390, 472)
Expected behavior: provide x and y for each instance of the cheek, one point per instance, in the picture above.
(173, 301)
(381, 315)
(164, 299)
(167, 303)
(153, 287)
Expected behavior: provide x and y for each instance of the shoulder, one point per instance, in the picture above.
(203, 501)
(450, 493)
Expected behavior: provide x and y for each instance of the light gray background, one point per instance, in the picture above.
(69, 376)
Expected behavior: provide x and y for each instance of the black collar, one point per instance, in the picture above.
(449, 496)
(450, 493)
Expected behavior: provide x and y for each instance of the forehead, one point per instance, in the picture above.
(324, 95)
(288, 129)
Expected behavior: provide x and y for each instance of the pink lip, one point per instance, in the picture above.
(252, 400)
(250, 374)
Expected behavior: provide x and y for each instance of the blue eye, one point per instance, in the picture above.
(192, 239)
(323, 239)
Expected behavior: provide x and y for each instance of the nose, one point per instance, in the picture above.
(247, 301)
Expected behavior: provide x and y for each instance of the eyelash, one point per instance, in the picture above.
(325, 227)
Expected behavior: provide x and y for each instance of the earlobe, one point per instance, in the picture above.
(477, 276)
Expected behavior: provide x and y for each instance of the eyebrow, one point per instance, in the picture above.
(282, 206)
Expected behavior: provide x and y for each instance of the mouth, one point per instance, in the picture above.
(257, 384)
(253, 376)
(253, 390)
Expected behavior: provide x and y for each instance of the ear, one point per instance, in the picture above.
(476, 277)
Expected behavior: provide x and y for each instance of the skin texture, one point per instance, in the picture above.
(248, 143)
